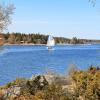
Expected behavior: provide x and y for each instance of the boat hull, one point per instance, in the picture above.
(50, 48)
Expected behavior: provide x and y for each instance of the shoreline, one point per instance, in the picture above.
(27, 44)
(45, 44)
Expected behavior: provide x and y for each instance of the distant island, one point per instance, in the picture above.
(37, 38)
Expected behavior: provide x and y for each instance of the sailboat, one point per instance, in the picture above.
(50, 42)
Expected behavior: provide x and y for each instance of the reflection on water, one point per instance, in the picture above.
(2, 49)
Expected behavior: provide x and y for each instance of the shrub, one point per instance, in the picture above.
(88, 83)
(18, 82)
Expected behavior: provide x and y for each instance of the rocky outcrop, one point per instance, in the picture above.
(53, 78)
(36, 82)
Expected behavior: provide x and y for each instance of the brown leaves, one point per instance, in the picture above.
(88, 83)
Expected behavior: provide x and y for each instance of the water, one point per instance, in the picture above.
(23, 61)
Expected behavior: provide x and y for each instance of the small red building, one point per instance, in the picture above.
(1, 39)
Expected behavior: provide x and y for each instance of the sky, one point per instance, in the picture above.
(66, 18)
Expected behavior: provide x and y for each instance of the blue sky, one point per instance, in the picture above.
(67, 18)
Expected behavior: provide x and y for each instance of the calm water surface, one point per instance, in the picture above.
(23, 61)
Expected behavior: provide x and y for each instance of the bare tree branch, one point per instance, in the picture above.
(5, 15)
(93, 2)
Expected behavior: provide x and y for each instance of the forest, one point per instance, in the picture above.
(37, 38)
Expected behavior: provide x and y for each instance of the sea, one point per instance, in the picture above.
(23, 61)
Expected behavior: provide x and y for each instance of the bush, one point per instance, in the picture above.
(18, 82)
(88, 83)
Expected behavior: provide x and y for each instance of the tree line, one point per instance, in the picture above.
(34, 38)
(37, 38)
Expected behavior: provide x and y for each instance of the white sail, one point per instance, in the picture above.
(50, 41)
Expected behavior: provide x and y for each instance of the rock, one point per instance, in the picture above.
(12, 92)
(47, 77)
(39, 80)
(61, 80)
(50, 78)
